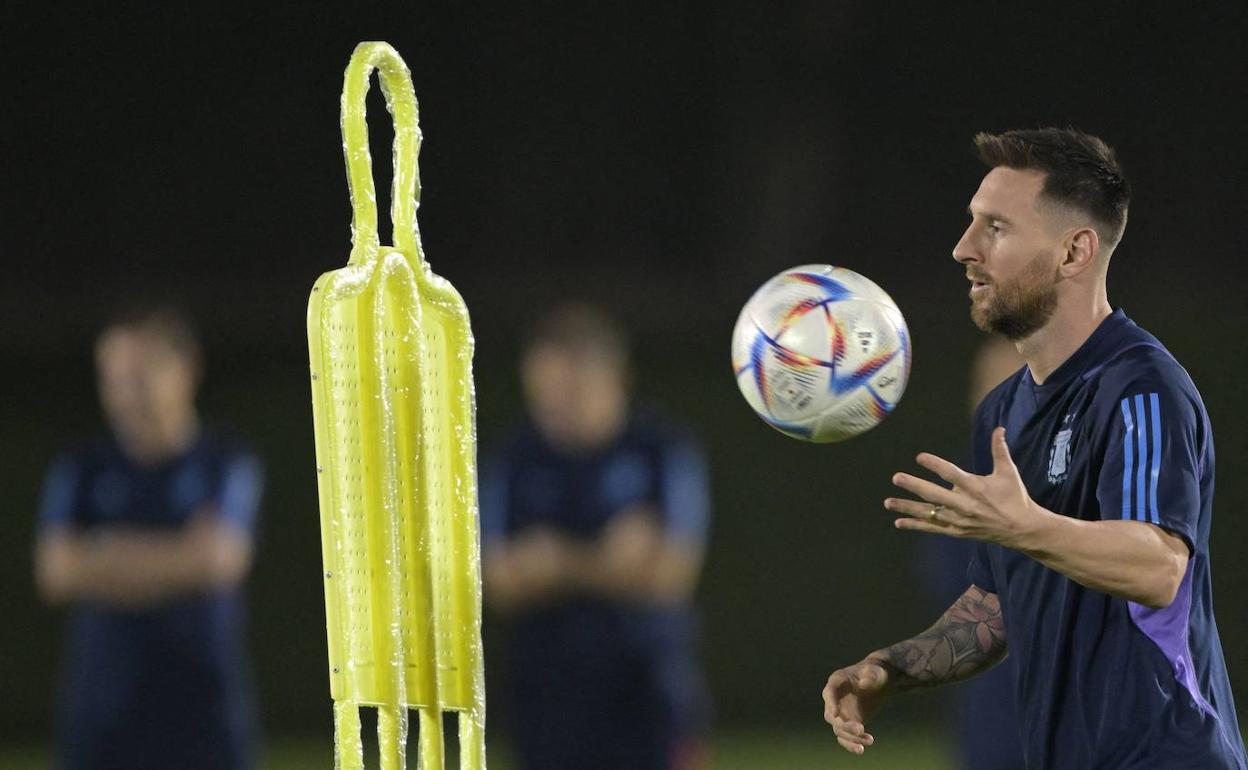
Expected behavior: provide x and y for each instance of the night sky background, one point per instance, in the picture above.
(663, 158)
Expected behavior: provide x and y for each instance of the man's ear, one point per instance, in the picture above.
(1082, 247)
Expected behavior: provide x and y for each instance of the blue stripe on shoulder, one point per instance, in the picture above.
(1127, 458)
(1155, 426)
(1141, 437)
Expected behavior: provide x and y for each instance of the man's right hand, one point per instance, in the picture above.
(851, 697)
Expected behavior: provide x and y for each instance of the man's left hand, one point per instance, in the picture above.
(995, 508)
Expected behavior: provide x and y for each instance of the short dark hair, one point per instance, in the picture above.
(580, 328)
(166, 320)
(1081, 171)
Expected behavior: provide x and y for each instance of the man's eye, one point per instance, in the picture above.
(993, 227)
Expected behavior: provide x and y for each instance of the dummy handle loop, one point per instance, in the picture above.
(396, 84)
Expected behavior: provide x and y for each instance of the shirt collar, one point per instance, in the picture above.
(1091, 351)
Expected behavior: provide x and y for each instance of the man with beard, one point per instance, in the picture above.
(1090, 496)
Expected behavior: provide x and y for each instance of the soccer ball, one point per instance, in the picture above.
(821, 353)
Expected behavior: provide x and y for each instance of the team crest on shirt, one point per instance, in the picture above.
(1059, 453)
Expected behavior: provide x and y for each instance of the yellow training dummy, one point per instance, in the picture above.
(392, 402)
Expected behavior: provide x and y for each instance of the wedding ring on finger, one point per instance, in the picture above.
(932, 515)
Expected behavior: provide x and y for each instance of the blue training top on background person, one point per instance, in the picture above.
(596, 680)
(166, 686)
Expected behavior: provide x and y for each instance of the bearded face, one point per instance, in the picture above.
(1012, 252)
(1016, 307)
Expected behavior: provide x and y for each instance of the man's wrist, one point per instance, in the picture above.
(1037, 536)
(894, 676)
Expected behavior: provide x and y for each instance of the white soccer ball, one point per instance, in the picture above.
(821, 353)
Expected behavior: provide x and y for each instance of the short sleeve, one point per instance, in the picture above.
(60, 492)
(978, 571)
(494, 497)
(684, 493)
(241, 487)
(1151, 471)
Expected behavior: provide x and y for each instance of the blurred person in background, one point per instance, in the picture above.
(984, 720)
(594, 521)
(145, 535)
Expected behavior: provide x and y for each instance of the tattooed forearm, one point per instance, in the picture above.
(967, 640)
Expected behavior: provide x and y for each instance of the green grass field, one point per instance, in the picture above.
(742, 750)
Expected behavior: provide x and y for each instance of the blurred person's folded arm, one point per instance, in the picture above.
(527, 569)
(133, 567)
(516, 569)
(635, 559)
(137, 568)
(654, 552)
(649, 552)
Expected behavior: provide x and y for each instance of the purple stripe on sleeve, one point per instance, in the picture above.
(1167, 628)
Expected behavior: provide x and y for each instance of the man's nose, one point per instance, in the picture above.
(964, 251)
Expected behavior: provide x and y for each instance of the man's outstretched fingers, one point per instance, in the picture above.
(943, 468)
(920, 510)
(929, 491)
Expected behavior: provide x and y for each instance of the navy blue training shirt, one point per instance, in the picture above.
(166, 686)
(1117, 432)
(597, 682)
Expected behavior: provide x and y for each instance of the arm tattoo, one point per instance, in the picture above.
(967, 640)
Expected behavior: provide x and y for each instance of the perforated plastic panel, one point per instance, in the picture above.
(391, 352)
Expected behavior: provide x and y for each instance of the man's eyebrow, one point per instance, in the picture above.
(989, 215)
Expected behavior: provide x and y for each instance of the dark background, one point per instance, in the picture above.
(662, 157)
